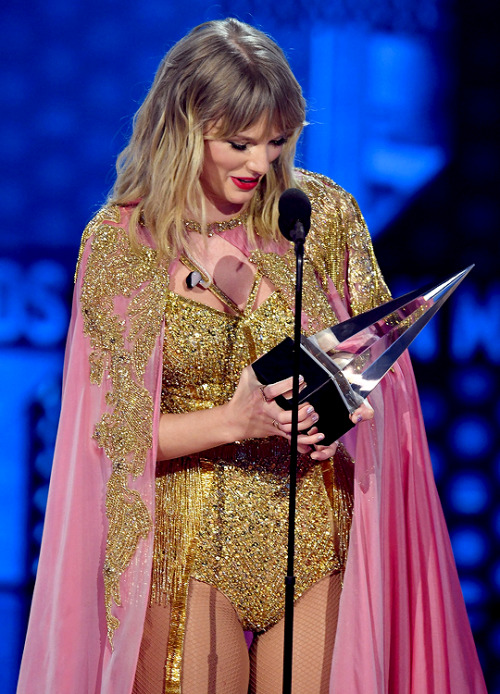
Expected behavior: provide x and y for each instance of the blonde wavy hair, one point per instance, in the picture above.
(222, 73)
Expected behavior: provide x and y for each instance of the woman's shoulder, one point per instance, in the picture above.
(321, 189)
(108, 216)
(107, 235)
(339, 233)
(334, 210)
(98, 228)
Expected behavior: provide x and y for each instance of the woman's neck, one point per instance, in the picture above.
(221, 210)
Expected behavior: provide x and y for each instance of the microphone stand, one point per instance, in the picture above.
(298, 236)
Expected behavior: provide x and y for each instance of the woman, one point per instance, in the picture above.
(166, 522)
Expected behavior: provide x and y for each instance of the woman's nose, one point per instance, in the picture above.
(259, 160)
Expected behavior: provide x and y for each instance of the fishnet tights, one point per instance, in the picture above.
(216, 659)
(314, 626)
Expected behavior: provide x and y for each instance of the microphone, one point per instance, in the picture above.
(295, 214)
(294, 222)
(193, 279)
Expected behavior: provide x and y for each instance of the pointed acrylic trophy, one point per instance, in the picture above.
(341, 365)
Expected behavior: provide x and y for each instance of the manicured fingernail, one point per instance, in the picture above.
(320, 437)
(315, 417)
(359, 418)
(310, 409)
(301, 379)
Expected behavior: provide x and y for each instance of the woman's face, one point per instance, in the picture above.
(234, 166)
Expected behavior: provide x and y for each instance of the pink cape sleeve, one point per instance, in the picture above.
(67, 648)
(403, 626)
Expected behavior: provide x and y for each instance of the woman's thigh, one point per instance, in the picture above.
(215, 654)
(215, 657)
(150, 672)
(314, 627)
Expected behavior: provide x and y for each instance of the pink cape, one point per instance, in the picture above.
(403, 627)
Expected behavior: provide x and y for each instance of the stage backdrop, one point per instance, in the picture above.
(403, 112)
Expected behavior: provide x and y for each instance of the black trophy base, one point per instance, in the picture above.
(320, 391)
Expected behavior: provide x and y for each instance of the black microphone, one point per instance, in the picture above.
(294, 222)
(295, 214)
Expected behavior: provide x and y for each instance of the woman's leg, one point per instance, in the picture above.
(314, 627)
(150, 673)
(215, 654)
(215, 658)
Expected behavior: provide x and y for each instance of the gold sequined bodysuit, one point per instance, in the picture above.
(221, 515)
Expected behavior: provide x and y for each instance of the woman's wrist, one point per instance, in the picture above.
(232, 426)
(191, 432)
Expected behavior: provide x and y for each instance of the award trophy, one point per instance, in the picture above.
(341, 365)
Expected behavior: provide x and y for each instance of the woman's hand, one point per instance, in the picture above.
(362, 414)
(253, 413)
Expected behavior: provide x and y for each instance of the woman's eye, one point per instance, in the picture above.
(238, 146)
(241, 147)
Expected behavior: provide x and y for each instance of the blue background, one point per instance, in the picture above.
(403, 111)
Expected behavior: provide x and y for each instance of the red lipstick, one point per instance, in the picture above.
(245, 183)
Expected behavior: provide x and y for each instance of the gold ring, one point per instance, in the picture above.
(276, 424)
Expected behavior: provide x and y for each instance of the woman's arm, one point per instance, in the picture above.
(251, 413)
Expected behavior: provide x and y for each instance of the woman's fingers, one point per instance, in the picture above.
(363, 413)
(278, 421)
(307, 440)
(310, 439)
(284, 387)
(306, 419)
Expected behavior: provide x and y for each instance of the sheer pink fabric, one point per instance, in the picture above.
(67, 649)
(402, 626)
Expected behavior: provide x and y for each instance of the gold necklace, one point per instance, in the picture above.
(216, 227)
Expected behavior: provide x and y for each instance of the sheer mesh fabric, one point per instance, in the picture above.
(215, 656)
(314, 626)
(150, 673)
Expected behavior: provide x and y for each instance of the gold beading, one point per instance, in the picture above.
(216, 227)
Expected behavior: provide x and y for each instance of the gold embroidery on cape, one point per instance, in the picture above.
(339, 244)
(338, 247)
(110, 213)
(122, 345)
